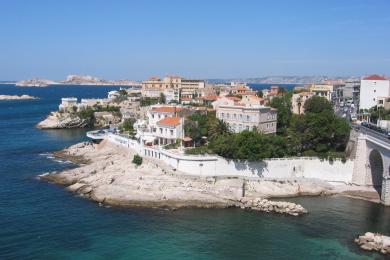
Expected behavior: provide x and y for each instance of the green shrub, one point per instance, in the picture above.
(197, 150)
(137, 160)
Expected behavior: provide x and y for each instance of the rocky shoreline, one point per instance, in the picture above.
(374, 242)
(106, 175)
(58, 120)
(16, 97)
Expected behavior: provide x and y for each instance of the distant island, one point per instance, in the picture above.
(16, 97)
(85, 80)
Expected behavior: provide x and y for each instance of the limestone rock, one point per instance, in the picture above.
(58, 120)
(374, 241)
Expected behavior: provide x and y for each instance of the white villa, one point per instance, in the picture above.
(246, 114)
(163, 126)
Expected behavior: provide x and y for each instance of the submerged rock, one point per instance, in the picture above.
(374, 242)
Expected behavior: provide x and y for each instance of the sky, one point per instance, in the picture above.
(137, 39)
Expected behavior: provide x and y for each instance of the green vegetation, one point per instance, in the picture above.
(162, 99)
(173, 145)
(127, 126)
(137, 160)
(318, 132)
(88, 112)
(378, 113)
(148, 101)
(198, 126)
(283, 105)
(198, 150)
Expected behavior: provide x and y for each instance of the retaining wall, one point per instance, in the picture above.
(301, 167)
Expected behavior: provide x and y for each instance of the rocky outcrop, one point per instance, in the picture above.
(58, 120)
(374, 242)
(265, 205)
(36, 82)
(109, 177)
(16, 97)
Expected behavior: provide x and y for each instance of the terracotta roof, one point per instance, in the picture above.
(185, 99)
(209, 97)
(375, 77)
(166, 109)
(187, 139)
(170, 121)
(234, 98)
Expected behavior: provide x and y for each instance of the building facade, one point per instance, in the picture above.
(298, 102)
(372, 87)
(322, 90)
(241, 116)
(173, 86)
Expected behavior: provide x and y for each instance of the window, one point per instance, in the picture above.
(247, 127)
(227, 115)
(374, 90)
(160, 130)
(248, 118)
(171, 132)
(222, 115)
(235, 116)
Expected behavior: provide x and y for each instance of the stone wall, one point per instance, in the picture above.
(302, 167)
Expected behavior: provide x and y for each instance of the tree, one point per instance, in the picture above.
(218, 128)
(128, 125)
(317, 104)
(260, 94)
(162, 98)
(137, 160)
(196, 126)
(283, 105)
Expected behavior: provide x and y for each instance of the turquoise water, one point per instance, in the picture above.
(43, 221)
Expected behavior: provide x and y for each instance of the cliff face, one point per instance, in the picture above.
(63, 120)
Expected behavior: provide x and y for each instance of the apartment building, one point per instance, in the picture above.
(372, 87)
(178, 87)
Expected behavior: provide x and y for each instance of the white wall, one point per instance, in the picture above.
(370, 90)
(207, 166)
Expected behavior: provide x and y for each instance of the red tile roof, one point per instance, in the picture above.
(185, 99)
(234, 98)
(170, 121)
(209, 98)
(375, 77)
(166, 109)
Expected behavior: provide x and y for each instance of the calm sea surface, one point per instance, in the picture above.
(43, 221)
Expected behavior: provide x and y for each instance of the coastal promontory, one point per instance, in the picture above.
(107, 175)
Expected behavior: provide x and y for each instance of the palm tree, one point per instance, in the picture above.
(218, 128)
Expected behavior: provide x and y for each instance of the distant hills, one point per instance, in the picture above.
(299, 80)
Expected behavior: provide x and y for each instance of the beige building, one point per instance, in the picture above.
(383, 102)
(246, 116)
(298, 102)
(182, 88)
(322, 90)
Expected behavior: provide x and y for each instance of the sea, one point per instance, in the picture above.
(40, 220)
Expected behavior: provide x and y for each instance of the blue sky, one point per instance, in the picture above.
(197, 39)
